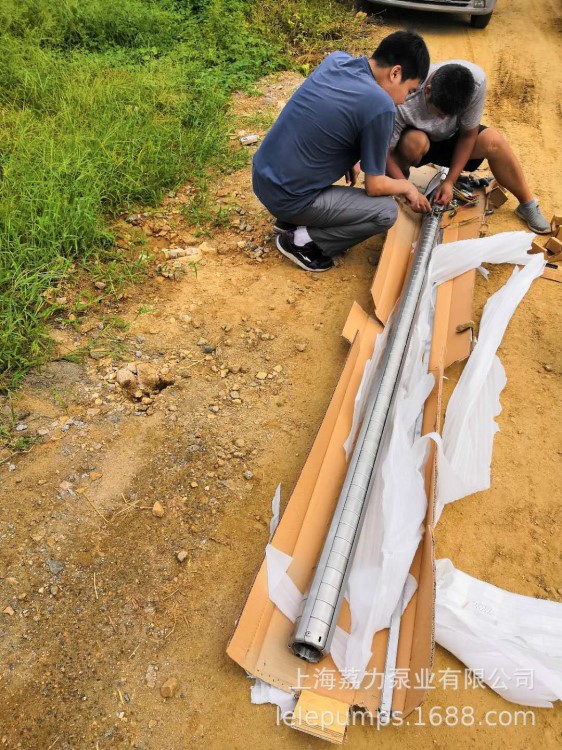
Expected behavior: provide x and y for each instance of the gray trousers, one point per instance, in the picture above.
(341, 217)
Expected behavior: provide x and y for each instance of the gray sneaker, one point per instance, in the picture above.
(532, 215)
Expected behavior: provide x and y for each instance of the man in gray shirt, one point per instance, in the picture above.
(441, 124)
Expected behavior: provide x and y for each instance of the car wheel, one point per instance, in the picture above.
(480, 22)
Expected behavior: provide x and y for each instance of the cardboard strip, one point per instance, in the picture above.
(325, 718)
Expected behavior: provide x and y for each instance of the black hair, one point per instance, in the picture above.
(407, 49)
(452, 88)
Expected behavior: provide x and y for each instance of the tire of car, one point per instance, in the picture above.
(480, 22)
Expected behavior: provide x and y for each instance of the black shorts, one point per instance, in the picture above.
(441, 153)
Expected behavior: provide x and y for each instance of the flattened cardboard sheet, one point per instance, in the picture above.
(260, 641)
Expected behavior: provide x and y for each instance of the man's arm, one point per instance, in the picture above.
(392, 167)
(461, 154)
(380, 184)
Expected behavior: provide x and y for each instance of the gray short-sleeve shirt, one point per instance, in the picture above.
(414, 113)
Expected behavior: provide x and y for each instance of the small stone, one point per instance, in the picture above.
(547, 368)
(54, 590)
(214, 408)
(234, 369)
(158, 509)
(277, 369)
(101, 285)
(261, 375)
(194, 485)
(290, 300)
(248, 475)
(151, 674)
(169, 688)
(240, 443)
(21, 427)
(206, 248)
(300, 346)
(148, 377)
(95, 475)
(234, 395)
(182, 555)
(208, 349)
(54, 566)
(9, 611)
(152, 724)
(126, 379)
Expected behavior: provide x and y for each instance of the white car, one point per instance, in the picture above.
(480, 11)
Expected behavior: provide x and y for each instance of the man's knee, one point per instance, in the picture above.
(489, 143)
(413, 146)
(386, 214)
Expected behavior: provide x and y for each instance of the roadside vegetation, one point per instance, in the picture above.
(106, 105)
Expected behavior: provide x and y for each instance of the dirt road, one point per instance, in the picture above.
(98, 610)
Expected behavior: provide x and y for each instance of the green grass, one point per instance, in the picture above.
(104, 106)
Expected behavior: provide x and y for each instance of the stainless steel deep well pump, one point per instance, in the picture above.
(315, 627)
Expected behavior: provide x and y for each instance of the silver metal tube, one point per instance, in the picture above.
(387, 692)
(315, 628)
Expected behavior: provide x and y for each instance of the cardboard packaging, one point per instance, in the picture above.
(259, 643)
(536, 247)
(556, 226)
(497, 195)
(554, 247)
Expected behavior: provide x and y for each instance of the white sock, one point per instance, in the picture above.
(301, 237)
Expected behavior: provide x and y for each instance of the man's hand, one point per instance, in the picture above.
(352, 175)
(444, 193)
(416, 200)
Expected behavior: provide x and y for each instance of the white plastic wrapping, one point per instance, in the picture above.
(280, 587)
(465, 458)
(513, 643)
(393, 523)
(455, 258)
(391, 531)
(262, 692)
(338, 650)
(275, 504)
(367, 381)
